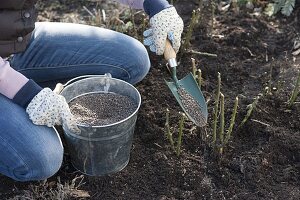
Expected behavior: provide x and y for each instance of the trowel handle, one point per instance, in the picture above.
(170, 54)
(58, 88)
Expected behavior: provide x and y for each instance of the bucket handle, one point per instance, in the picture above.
(59, 86)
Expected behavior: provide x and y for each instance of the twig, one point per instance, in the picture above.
(158, 145)
(87, 10)
(265, 124)
(195, 159)
(249, 51)
(216, 108)
(296, 52)
(202, 53)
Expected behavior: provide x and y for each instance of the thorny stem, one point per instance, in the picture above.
(213, 8)
(143, 27)
(250, 107)
(270, 81)
(133, 24)
(199, 74)
(194, 69)
(179, 139)
(295, 92)
(222, 123)
(188, 36)
(168, 130)
(232, 121)
(216, 107)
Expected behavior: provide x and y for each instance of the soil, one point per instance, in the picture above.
(262, 158)
(99, 109)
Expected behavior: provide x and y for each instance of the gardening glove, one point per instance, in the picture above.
(165, 24)
(48, 108)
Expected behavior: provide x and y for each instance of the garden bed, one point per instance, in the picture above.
(261, 160)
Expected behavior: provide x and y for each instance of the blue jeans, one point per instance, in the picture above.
(56, 53)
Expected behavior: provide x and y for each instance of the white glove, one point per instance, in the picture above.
(48, 108)
(166, 23)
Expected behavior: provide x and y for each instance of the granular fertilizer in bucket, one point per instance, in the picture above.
(98, 109)
(106, 109)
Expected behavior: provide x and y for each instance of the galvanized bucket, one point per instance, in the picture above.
(101, 150)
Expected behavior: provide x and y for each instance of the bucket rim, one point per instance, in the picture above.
(113, 124)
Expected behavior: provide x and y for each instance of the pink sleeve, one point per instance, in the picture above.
(138, 4)
(11, 81)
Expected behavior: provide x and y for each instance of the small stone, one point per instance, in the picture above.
(249, 5)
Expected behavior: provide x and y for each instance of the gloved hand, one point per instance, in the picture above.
(48, 108)
(166, 23)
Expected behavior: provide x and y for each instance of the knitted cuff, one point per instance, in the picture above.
(153, 7)
(26, 93)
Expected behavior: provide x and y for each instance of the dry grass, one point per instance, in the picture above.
(54, 190)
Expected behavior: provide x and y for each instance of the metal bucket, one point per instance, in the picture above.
(101, 150)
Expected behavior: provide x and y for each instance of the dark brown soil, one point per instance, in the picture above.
(262, 159)
(98, 109)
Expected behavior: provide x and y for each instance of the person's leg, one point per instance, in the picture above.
(27, 152)
(60, 51)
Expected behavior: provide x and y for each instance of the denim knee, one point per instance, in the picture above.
(42, 164)
(42, 167)
(141, 62)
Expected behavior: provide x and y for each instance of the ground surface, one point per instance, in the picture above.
(262, 159)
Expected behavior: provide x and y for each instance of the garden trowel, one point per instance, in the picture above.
(186, 91)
